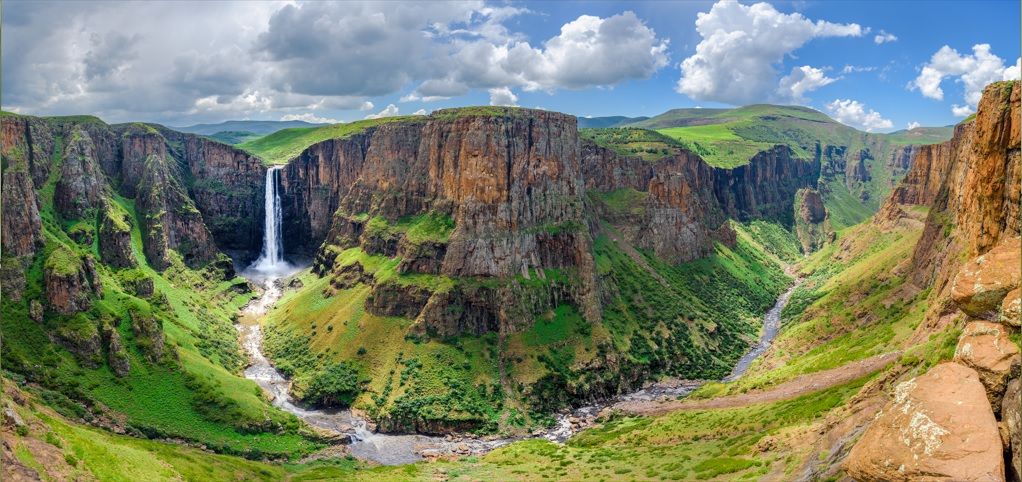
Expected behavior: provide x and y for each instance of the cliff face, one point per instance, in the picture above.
(687, 201)
(969, 254)
(766, 186)
(509, 184)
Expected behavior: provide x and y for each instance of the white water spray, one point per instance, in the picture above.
(271, 262)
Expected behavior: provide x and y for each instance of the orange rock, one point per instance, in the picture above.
(1011, 308)
(984, 282)
(985, 347)
(939, 426)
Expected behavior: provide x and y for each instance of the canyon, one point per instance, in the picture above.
(484, 269)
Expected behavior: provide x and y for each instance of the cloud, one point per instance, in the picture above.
(419, 112)
(503, 96)
(854, 113)
(1013, 72)
(913, 125)
(168, 62)
(974, 72)
(884, 37)
(853, 69)
(736, 60)
(961, 110)
(310, 117)
(801, 80)
(588, 52)
(390, 111)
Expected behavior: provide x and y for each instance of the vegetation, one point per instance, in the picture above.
(646, 144)
(235, 137)
(284, 145)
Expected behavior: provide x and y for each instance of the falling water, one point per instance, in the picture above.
(271, 260)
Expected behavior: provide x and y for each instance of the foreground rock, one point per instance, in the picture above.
(1011, 421)
(983, 283)
(939, 426)
(986, 348)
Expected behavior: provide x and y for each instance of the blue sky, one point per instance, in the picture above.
(179, 63)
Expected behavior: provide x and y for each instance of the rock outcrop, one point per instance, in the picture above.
(939, 426)
(986, 348)
(509, 183)
(115, 237)
(1011, 423)
(227, 189)
(982, 284)
(71, 282)
(811, 220)
(80, 188)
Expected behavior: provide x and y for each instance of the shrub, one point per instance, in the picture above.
(337, 386)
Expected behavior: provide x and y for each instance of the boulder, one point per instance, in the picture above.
(985, 347)
(939, 426)
(984, 282)
(1011, 420)
(1011, 311)
(35, 311)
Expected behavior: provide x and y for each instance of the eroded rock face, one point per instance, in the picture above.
(983, 283)
(766, 186)
(811, 225)
(228, 190)
(117, 356)
(1011, 307)
(986, 348)
(1011, 420)
(81, 184)
(170, 219)
(148, 335)
(115, 238)
(71, 282)
(939, 426)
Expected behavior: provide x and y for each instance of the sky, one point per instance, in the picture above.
(877, 66)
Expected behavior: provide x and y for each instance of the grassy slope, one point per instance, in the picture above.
(157, 399)
(921, 135)
(459, 378)
(284, 145)
(853, 305)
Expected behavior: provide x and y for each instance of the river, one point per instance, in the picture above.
(394, 449)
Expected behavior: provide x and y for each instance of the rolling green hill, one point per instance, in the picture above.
(286, 144)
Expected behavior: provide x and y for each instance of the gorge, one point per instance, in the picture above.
(475, 283)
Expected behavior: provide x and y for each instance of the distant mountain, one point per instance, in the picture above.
(680, 118)
(235, 137)
(256, 127)
(921, 135)
(610, 121)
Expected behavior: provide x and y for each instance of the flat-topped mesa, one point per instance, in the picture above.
(507, 179)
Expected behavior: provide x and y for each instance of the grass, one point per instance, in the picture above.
(624, 203)
(286, 144)
(197, 395)
(851, 307)
(645, 144)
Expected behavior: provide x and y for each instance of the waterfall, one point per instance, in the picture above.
(271, 259)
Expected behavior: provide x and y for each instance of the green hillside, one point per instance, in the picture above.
(286, 144)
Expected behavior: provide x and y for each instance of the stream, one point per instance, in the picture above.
(270, 270)
(395, 449)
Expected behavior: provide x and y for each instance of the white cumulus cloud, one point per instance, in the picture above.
(854, 113)
(742, 45)
(503, 96)
(913, 125)
(884, 37)
(390, 111)
(801, 80)
(974, 72)
(589, 51)
(310, 117)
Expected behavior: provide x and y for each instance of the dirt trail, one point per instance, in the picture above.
(802, 385)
